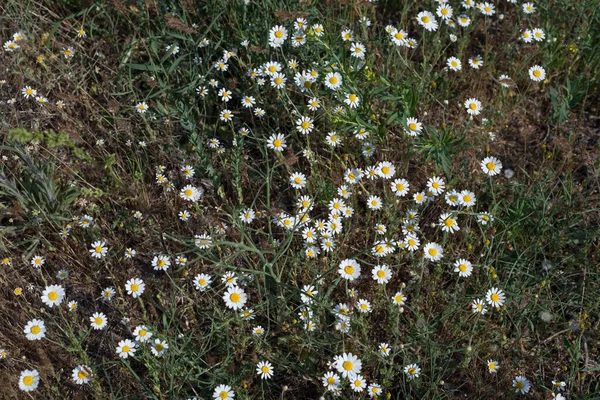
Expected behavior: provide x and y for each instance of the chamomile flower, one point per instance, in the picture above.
(135, 287)
(304, 125)
(247, 215)
(223, 392)
(448, 223)
(466, 198)
(202, 281)
(130, 253)
(333, 80)
(495, 297)
(444, 11)
(29, 380)
(399, 299)
(333, 139)
(142, 334)
(374, 203)
(400, 187)
(98, 249)
(358, 50)
(308, 293)
(35, 329)
(484, 218)
(411, 242)
(81, 374)
(298, 180)
(413, 127)
(454, 64)
(349, 269)
(478, 306)
(538, 34)
(277, 142)
(521, 384)
(258, 331)
(161, 262)
(427, 21)
(37, 261)
(436, 185)
(537, 73)
(28, 92)
(493, 366)
(527, 36)
(226, 115)
(234, 298)
(382, 274)
(463, 267)
(348, 365)
(528, 8)
(278, 80)
(347, 35)
(386, 170)
(476, 62)
(331, 380)
(126, 348)
(412, 371)
(191, 193)
(141, 107)
(363, 306)
(473, 106)
(159, 347)
(53, 295)
(108, 293)
(491, 166)
(318, 30)
(464, 20)
(98, 321)
(487, 9)
(358, 383)
(433, 252)
(352, 100)
(11, 46)
(264, 369)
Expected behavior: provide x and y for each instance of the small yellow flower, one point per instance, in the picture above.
(18, 291)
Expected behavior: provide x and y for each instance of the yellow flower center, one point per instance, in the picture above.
(159, 347)
(98, 249)
(473, 106)
(399, 36)
(330, 380)
(333, 80)
(82, 374)
(449, 222)
(537, 73)
(347, 365)
(161, 263)
(134, 287)
(35, 329)
(126, 349)
(235, 297)
(29, 91)
(188, 192)
(385, 170)
(53, 296)
(352, 98)
(435, 185)
(349, 269)
(278, 80)
(28, 380)
(462, 268)
(432, 252)
(297, 179)
(279, 35)
(305, 124)
(466, 198)
(491, 166)
(98, 321)
(494, 297)
(264, 369)
(425, 19)
(400, 187)
(381, 273)
(520, 385)
(412, 371)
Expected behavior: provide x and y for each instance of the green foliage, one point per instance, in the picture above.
(439, 145)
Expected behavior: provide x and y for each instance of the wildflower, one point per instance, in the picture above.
(333, 80)
(226, 115)
(29, 380)
(191, 193)
(537, 73)
(41, 100)
(35, 329)
(454, 64)
(412, 371)
(159, 347)
(433, 252)
(374, 203)
(521, 384)
(491, 166)
(277, 36)
(538, 34)
(318, 29)
(414, 127)
(108, 293)
(141, 107)
(473, 106)
(349, 269)
(352, 100)
(81, 374)
(81, 33)
(258, 330)
(427, 21)
(223, 392)
(484, 218)
(527, 36)
(347, 35)
(98, 249)
(374, 390)
(264, 369)
(493, 366)
(98, 321)
(247, 215)
(72, 305)
(142, 334)
(304, 125)
(400, 187)
(399, 37)
(307, 294)
(37, 261)
(448, 223)
(487, 9)
(358, 383)
(495, 297)
(126, 348)
(357, 50)
(463, 267)
(412, 242)
(475, 62)
(278, 80)
(363, 306)
(331, 380)
(382, 274)
(28, 92)
(348, 365)
(399, 299)
(234, 298)
(466, 198)
(130, 253)
(135, 287)
(478, 306)
(202, 281)
(298, 180)
(528, 8)
(53, 295)
(436, 185)
(464, 20)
